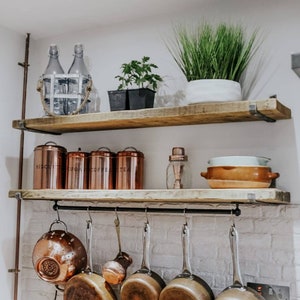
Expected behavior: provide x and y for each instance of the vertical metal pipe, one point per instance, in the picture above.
(25, 66)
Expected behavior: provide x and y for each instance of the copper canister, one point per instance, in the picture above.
(130, 169)
(49, 166)
(102, 169)
(77, 170)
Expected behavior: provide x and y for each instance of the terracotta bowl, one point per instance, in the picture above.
(239, 177)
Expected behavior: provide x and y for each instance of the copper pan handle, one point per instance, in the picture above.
(58, 222)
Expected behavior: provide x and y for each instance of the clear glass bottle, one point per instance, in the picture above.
(178, 175)
(76, 87)
(54, 67)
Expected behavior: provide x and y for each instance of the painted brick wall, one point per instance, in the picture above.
(268, 243)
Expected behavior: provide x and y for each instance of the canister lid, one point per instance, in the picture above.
(178, 153)
(131, 151)
(50, 146)
(78, 153)
(103, 151)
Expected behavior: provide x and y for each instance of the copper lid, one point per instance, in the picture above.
(51, 146)
(102, 151)
(178, 153)
(133, 152)
(78, 153)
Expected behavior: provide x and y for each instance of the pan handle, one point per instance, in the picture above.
(233, 237)
(89, 234)
(146, 249)
(186, 266)
(117, 226)
(58, 222)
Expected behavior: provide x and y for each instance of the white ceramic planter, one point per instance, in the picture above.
(213, 90)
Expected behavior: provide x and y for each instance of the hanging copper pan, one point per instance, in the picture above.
(58, 255)
(144, 284)
(237, 291)
(186, 286)
(114, 271)
(88, 285)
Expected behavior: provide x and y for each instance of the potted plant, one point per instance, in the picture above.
(213, 60)
(137, 74)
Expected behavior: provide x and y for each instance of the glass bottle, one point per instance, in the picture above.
(178, 171)
(59, 85)
(77, 84)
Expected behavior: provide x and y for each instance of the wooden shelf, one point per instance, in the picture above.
(204, 113)
(158, 197)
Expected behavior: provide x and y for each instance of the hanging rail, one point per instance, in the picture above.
(235, 211)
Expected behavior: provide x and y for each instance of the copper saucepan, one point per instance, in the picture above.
(144, 284)
(58, 255)
(88, 285)
(237, 291)
(186, 286)
(114, 271)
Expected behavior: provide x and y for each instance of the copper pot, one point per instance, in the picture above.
(49, 166)
(130, 169)
(77, 170)
(58, 255)
(239, 177)
(144, 284)
(102, 169)
(186, 285)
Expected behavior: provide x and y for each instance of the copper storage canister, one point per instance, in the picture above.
(102, 169)
(130, 169)
(77, 170)
(49, 166)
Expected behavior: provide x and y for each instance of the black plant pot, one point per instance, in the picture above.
(141, 98)
(118, 100)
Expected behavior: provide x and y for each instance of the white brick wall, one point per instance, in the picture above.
(267, 250)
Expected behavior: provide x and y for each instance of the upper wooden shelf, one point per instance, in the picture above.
(161, 196)
(204, 113)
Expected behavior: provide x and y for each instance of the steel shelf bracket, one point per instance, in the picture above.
(22, 126)
(254, 112)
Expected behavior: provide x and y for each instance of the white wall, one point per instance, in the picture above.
(269, 242)
(11, 76)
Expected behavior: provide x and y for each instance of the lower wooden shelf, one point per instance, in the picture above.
(160, 196)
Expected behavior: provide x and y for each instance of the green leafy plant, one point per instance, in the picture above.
(207, 52)
(138, 73)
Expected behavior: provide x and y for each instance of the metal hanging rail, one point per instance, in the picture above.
(235, 211)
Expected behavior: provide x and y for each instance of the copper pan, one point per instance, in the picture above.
(114, 271)
(144, 284)
(237, 291)
(186, 286)
(58, 255)
(88, 285)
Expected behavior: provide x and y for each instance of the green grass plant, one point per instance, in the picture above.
(208, 52)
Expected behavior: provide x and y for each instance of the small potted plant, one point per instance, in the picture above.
(213, 60)
(140, 76)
